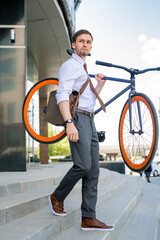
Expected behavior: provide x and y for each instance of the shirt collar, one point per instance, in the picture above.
(78, 58)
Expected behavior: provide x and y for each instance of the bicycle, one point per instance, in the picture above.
(138, 124)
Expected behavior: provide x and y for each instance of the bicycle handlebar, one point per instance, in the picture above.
(148, 69)
(131, 70)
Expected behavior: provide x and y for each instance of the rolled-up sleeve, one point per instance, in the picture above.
(66, 78)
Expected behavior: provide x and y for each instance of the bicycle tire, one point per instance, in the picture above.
(138, 150)
(33, 113)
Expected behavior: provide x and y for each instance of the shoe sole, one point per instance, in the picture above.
(57, 214)
(97, 229)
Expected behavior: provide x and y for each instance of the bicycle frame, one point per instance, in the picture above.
(130, 86)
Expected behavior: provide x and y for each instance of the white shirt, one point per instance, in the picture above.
(72, 76)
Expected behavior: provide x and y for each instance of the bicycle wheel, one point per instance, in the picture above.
(33, 113)
(139, 147)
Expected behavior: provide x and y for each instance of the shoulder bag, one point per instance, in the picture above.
(53, 114)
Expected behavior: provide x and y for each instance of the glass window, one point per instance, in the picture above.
(11, 112)
(9, 13)
(32, 72)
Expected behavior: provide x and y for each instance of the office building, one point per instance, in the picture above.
(34, 37)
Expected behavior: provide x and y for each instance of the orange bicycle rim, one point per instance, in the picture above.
(128, 161)
(26, 106)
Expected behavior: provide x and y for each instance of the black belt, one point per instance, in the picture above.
(90, 114)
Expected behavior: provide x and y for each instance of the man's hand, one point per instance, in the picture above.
(99, 77)
(72, 132)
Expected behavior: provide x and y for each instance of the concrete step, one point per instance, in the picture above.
(144, 222)
(114, 212)
(32, 180)
(18, 205)
(42, 224)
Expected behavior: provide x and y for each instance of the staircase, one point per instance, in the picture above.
(131, 205)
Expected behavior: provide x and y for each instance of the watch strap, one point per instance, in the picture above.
(70, 120)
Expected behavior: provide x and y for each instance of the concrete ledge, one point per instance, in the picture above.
(117, 166)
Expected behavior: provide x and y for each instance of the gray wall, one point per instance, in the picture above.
(12, 85)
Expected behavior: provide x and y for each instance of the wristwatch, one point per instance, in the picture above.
(69, 121)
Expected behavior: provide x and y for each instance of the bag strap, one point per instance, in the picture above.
(84, 86)
(94, 90)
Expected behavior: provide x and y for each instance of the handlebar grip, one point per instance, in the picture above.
(158, 68)
(70, 51)
(104, 64)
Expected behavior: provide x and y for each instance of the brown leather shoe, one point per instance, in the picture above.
(56, 205)
(94, 224)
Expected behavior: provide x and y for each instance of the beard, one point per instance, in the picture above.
(81, 53)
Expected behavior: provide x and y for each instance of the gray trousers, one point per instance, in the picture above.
(85, 155)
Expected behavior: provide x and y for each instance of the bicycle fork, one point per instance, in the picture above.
(132, 131)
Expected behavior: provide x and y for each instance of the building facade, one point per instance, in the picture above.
(34, 37)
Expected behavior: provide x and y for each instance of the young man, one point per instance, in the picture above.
(81, 133)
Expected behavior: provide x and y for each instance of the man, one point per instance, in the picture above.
(81, 133)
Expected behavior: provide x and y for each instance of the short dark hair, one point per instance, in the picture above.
(80, 32)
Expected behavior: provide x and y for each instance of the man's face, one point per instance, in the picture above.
(83, 45)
